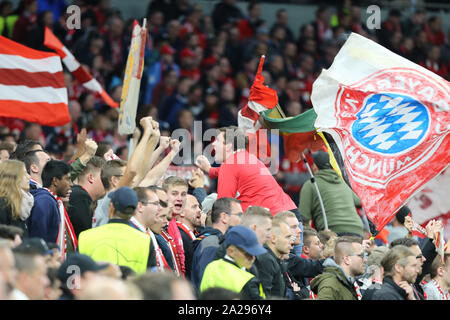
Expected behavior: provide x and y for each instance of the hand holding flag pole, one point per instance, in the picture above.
(314, 182)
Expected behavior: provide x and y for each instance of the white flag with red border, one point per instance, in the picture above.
(132, 79)
(390, 120)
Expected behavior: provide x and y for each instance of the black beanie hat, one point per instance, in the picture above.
(322, 159)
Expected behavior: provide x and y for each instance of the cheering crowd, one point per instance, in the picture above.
(88, 214)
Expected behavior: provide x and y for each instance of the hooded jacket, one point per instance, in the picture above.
(339, 202)
(205, 247)
(44, 219)
(333, 283)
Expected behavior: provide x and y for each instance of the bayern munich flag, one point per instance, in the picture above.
(390, 120)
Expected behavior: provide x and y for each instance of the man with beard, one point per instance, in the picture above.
(425, 253)
(188, 222)
(271, 268)
(400, 272)
(337, 282)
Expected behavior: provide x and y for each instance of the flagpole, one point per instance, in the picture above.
(314, 182)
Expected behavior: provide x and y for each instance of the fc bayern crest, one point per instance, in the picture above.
(389, 124)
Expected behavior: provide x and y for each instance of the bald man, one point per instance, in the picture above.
(188, 222)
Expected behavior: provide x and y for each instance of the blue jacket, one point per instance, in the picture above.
(44, 219)
(205, 247)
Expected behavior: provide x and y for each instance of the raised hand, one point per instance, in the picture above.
(198, 179)
(175, 145)
(408, 288)
(146, 123)
(82, 137)
(409, 224)
(90, 147)
(164, 142)
(203, 163)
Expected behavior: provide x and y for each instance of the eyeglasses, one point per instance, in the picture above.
(163, 204)
(239, 214)
(146, 203)
(361, 255)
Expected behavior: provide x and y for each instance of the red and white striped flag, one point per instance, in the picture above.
(84, 77)
(32, 85)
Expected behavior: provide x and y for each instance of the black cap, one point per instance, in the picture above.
(81, 261)
(322, 160)
(33, 245)
(123, 198)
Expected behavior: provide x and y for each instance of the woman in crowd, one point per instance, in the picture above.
(15, 199)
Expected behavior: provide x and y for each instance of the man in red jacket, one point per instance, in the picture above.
(242, 175)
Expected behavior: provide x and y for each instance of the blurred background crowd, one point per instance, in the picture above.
(199, 65)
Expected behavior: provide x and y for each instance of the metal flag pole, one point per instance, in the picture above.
(313, 181)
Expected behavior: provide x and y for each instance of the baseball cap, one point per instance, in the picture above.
(321, 159)
(186, 52)
(166, 49)
(33, 245)
(123, 198)
(82, 261)
(245, 238)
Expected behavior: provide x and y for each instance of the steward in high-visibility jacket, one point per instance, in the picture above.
(230, 272)
(117, 241)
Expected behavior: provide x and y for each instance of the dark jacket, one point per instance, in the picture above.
(301, 268)
(188, 252)
(6, 217)
(80, 209)
(164, 246)
(204, 247)
(429, 252)
(389, 291)
(44, 219)
(271, 270)
(333, 284)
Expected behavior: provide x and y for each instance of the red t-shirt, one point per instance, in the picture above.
(243, 174)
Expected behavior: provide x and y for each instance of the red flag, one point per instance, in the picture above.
(84, 77)
(32, 85)
(261, 98)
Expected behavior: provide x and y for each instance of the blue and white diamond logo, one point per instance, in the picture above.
(391, 123)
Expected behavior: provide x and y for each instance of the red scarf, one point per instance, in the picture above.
(173, 251)
(185, 228)
(161, 262)
(65, 225)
